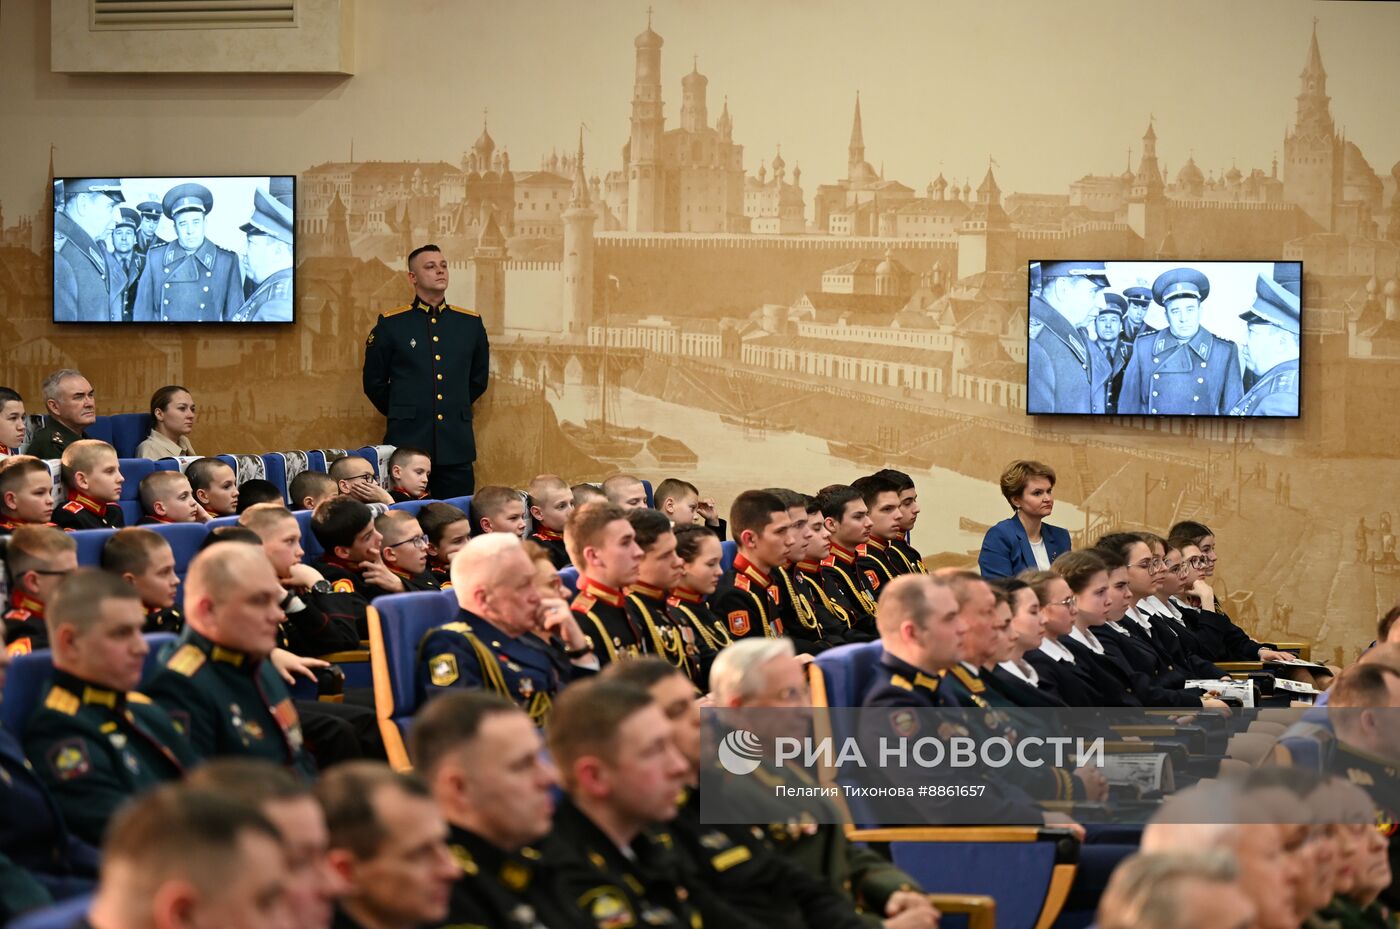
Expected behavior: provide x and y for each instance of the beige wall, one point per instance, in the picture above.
(1052, 92)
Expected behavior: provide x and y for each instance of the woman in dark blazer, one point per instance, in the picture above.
(1010, 546)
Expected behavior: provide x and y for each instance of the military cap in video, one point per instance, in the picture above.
(1113, 303)
(1273, 304)
(128, 217)
(282, 190)
(1180, 282)
(1094, 270)
(149, 208)
(270, 217)
(1138, 296)
(183, 197)
(94, 185)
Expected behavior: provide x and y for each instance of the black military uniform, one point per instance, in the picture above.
(8, 526)
(229, 702)
(25, 629)
(319, 621)
(200, 286)
(612, 889)
(402, 496)
(799, 617)
(873, 561)
(749, 602)
(711, 635)
(603, 617)
(553, 543)
(848, 589)
(83, 512)
(677, 642)
(96, 748)
(351, 593)
(411, 583)
(1277, 304)
(900, 549)
(168, 619)
(442, 574)
(834, 618)
(424, 368)
(472, 653)
(271, 300)
(504, 890)
(1197, 376)
(51, 439)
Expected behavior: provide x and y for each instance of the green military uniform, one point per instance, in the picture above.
(51, 439)
(229, 702)
(504, 890)
(1343, 913)
(95, 748)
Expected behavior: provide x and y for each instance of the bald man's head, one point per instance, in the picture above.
(495, 579)
(232, 597)
(919, 622)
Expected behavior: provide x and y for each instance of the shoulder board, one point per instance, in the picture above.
(901, 682)
(73, 507)
(62, 701)
(18, 615)
(971, 683)
(187, 660)
(463, 628)
(462, 309)
(583, 603)
(137, 698)
(742, 582)
(396, 311)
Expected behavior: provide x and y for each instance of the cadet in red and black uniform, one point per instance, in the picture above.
(800, 619)
(848, 522)
(409, 471)
(351, 561)
(647, 599)
(425, 365)
(900, 550)
(144, 560)
(551, 502)
(834, 618)
(604, 546)
(874, 559)
(404, 551)
(93, 478)
(26, 493)
(38, 559)
(447, 529)
(700, 552)
(167, 497)
(748, 599)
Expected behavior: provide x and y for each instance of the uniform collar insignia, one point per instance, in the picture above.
(420, 304)
(227, 656)
(646, 590)
(100, 695)
(1201, 342)
(686, 595)
(549, 535)
(844, 555)
(609, 595)
(88, 503)
(809, 567)
(22, 601)
(876, 543)
(743, 566)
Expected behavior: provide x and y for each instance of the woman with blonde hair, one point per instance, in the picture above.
(1023, 541)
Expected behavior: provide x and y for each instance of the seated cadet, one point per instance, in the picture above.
(765, 674)
(256, 490)
(409, 470)
(352, 560)
(95, 741)
(488, 646)
(36, 560)
(388, 844)
(795, 609)
(899, 548)
(699, 551)
(748, 598)
(873, 559)
(217, 682)
(586, 493)
(12, 422)
(657, 573)
(71, 405)
(1086, 576)
(1165, 890)
(26, 493)
(551, 502)
(484, 761)
(215, 486)
(319, 620)
(144, 560)
(185, 857)
(92, 477)
(603, 546)
(172, 420)
(807, 574)
(167, 497)
(1060, 673)
(626, 491)
(622, 774)
(742, 868)
(404, 550)
(1013, 675)
(310, 489)
(847, 523)
(497, 509)
(354, 477)
(681, 502)
(291, 806)
(447, 529)
(1160, 606)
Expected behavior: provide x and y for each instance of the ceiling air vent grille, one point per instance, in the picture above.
(193, 14)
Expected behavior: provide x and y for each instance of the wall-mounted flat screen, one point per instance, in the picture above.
(174, 249)
(1164, 338)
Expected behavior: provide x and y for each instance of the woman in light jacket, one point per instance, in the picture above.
(1023, 541)
(172, 421)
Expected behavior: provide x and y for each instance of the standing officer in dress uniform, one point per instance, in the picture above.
(190, 280)
(1113, 352)
(146, 233)
(1272, 350)
(1185, 369)
(131, 260)
(269, 234)
(1139, 302)
(425, 365)
(88, 283)
(1060, 360)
